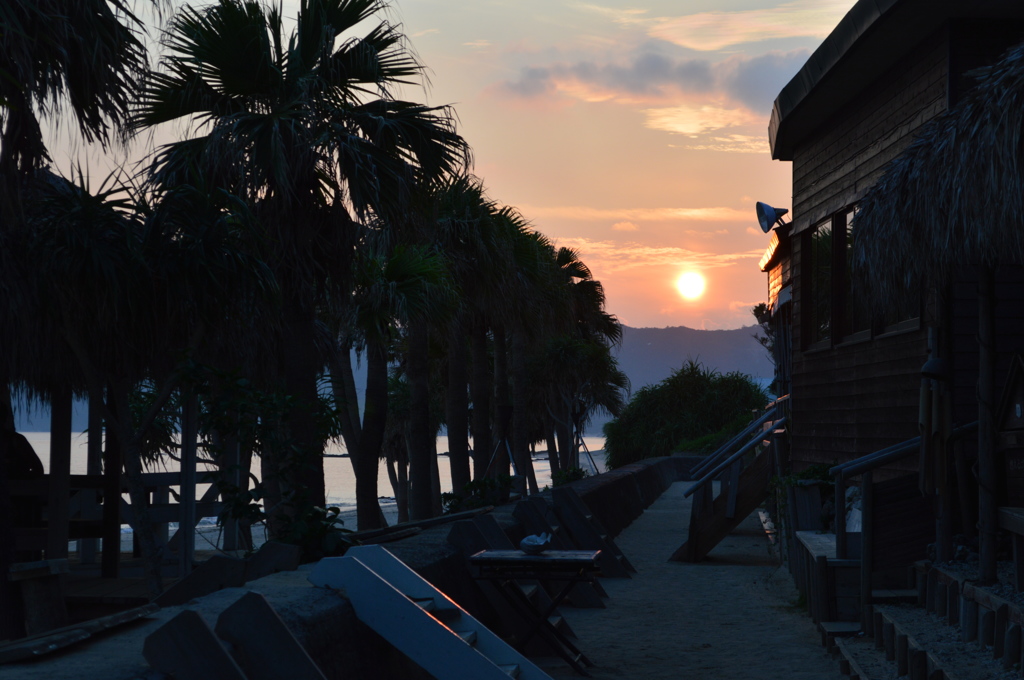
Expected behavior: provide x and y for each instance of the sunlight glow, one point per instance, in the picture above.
(691, 285)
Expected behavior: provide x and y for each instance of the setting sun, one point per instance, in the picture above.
(691, 285)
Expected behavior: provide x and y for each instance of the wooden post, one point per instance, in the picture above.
(840, 501)
(187, 518)
(866, 548)
(987, 521)
(60, 474)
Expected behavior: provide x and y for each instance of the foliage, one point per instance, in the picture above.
(478, 494)
(693, 402)
(709, 443)
(764, 334)
(573, 474)
(318, 531)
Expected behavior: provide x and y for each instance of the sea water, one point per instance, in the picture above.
(340, 483)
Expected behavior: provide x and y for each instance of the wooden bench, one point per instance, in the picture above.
(830, 585)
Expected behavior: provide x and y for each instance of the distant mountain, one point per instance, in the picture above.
(649, 355)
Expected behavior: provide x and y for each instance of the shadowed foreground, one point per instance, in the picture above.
(732, 616)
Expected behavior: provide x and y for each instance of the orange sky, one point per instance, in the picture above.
(635, 133)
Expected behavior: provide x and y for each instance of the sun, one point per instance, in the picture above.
(691, 285)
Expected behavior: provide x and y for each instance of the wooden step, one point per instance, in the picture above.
(861, 661)
(924, 644)
(830, 630)
(894, 596)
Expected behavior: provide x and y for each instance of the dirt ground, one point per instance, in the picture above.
(732, 616)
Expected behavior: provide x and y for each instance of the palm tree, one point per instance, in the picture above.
(388, 291)
(305, 128)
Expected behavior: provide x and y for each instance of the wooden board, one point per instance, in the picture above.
(185, 647)
(261, 643)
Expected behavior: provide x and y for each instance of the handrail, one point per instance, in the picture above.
(858, 466)
(730, 460)
(724, 449)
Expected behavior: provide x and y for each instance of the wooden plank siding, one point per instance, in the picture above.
(834, 169)
(852, 399)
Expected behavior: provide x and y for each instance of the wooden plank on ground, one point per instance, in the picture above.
(271, 558)
(185, 647)
(212, 575)
(261, 643)
(586, 537)
(37, 645)
(567, 496)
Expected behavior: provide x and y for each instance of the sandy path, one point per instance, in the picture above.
(731, 616)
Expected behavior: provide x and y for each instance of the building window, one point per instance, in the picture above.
(835, 309)
(819, 284)
(854, 302)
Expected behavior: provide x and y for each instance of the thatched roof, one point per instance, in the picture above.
(955, 197)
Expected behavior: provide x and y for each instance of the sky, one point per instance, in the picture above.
(632, 131)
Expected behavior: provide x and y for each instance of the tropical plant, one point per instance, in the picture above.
(692, 402)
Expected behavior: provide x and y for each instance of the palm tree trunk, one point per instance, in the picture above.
(549, 432)
(480, 392)
(520, 415)
(563, 427)
(363, 441)
(457, 408)
(987, 519)
(301, 367)
(420, 474)
(502, 402)
(10, 601)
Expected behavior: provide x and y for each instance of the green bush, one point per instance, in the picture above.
(694, 408)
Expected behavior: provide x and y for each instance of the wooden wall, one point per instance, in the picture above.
(855, 398)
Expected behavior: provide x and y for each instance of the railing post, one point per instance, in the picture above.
(866, 550)
(840, 502)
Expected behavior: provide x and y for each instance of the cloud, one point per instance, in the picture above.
(696, 119)
(687, 96)
(625, 226)
(737, 306)
(608, 256)
(580, 212)
(729, 143)
(420, 34)
(619, 16)
(478, 44)
(710, 31)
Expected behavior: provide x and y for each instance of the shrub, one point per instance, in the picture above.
(694, 407)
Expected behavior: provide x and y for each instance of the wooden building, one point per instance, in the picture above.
(888, 68)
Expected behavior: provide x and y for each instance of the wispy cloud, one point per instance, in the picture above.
(478, 44)
(691, 119)
(655, 79)
(709, 31)
(580, 212)
(619, 16)
(625, 226)
(728, 143)
(420, 34)
(610, 257)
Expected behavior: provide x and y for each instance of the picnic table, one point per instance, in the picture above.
(565, 567)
